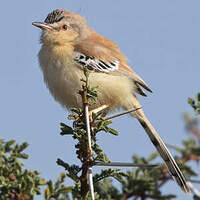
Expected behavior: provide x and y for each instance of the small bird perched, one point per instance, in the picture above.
(68, 46)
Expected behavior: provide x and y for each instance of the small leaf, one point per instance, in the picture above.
(197, 111)
(74, 177)
(23, 146)
(66, 130)
(22, 155)
(113, 131)
(71, 117)
(65, 190)
(42, 181)
(50, 186)
(191, 101)
(76, 110)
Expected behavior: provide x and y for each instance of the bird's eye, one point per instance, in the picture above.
(65, 27)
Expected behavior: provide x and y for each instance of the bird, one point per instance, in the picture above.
(68, 46)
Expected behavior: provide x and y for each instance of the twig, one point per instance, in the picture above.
(122, 113)
(193, 189)
(90, 179)
(88, 126)
(119, 164)
(87, 120)
(62, 163)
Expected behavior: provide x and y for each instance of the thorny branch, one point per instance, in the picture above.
(86, 162)
(154, 179)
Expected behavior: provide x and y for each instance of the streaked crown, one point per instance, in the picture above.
(55, 16)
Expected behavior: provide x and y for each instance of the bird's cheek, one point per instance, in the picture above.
(45, 37)
(68, 37)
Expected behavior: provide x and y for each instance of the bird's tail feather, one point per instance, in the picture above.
(165, 154)
(160, 146)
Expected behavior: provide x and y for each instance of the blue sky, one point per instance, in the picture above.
(161, 40)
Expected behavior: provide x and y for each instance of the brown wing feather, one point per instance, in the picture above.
(104, 49)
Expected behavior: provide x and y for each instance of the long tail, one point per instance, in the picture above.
(164, 153)
(160, 146)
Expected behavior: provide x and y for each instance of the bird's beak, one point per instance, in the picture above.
(43, 26)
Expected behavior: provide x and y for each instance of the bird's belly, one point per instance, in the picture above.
(112, 90)
(64, 83)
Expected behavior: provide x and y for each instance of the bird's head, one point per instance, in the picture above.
(61, 26)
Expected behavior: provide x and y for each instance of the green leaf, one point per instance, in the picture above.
(191, 101)
(65, 190)
(195, 105)
(113, 131)
(74, 177)
(42, 182)
(197, 111)
(8, 145)
(76, 110)
(50, 186)
(66, 130)
(71, 117)
(195, 197)
(22, 155)
(23, 146)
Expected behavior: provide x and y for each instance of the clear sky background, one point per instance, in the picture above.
(160, 38)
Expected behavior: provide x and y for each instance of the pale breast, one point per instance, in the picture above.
(61, 77)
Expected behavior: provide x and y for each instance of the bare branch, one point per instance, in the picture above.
(122, 113)
(120, 164)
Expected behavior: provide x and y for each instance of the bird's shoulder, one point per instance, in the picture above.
(100, 47)
(103, 55)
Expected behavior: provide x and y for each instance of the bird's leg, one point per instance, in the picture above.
(96, 110)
